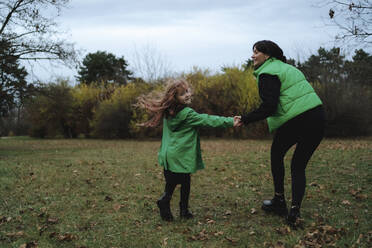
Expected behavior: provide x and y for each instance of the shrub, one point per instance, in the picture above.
(50, 111)
(86, 98)
(348, 109)
(232, 92)
(115, 117)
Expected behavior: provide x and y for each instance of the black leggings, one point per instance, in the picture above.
(171, 181)
(306, 130)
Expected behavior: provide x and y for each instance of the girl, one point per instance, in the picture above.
(295, 112)
(179, 152)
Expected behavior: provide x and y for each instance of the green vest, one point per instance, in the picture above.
(180, 144)
(296, 94)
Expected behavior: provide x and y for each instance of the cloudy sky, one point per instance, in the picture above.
(187, 33)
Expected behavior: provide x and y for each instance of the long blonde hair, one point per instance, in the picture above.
(162, 104)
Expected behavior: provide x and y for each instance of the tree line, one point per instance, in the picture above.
(101, 105)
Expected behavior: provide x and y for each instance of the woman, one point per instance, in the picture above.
(294, 111)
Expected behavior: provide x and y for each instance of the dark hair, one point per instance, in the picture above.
(270, 48)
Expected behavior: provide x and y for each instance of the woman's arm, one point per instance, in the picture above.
(269, 90)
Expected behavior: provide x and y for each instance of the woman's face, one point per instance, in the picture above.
(258, 57)
(184, 96)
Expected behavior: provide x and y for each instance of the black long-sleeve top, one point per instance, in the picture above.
(269, 90)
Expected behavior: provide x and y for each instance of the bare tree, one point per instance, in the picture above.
(28, 33)
(353, 18)
(29, 27)
(150, 64)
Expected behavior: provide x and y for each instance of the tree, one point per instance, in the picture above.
(360, 69)
(28, 33)
(325, 67)
(102, 66)
(248, 64)
(13, 85)
(151, 64)
(31, 31)
(353, 18)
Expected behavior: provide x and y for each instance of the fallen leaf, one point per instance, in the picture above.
(15, 234)
(359, 238)
(66, 237)
(165, 241)
(108, 198)
(361, 197)
(314, 184)
(232, 240)
(31, 244)
(5, 219)
(210, 221)
(354, 192)
(283, 230)
(41, 229)
(279, 244)
(117, 207)
(52, 221)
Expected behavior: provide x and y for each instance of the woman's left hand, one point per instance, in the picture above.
(237, 121)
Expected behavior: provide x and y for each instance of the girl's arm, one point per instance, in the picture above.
(204, 120)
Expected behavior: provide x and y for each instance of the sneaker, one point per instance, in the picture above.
(277, 206)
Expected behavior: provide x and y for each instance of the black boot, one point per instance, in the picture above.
(184, 211)
(277, 205)
(294, 216)
(164, 207)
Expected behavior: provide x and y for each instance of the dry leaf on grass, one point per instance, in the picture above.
(31, 244)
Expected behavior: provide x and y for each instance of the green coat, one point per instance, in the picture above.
(296, 94)
(180, 145)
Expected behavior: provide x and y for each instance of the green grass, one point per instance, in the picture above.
(97, 193)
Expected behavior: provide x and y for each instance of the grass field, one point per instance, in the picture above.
(97, 193)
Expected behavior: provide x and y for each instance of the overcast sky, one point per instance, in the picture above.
(187, 33)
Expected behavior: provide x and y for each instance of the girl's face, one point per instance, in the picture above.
(184, 96)
(258, 57)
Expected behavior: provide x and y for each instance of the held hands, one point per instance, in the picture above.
(237, 121)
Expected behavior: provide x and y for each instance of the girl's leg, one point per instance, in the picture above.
(164, 201)
(185, 193)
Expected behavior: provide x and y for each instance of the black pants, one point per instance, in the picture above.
(306, 131)
(171, 181)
